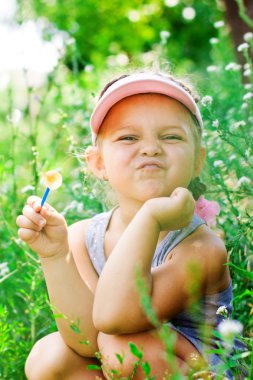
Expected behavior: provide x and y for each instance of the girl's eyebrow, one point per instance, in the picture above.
(133, 128)
(180, 128)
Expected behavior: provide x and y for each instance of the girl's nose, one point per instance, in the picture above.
(150, 147)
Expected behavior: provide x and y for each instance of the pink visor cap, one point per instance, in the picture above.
(141, 83)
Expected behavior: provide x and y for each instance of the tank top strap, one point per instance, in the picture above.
(172, 239)
(96, 232)
(95, 239)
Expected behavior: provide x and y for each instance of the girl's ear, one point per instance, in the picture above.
(200, 160)
(95, 162)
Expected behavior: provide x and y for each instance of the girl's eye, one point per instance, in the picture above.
(172, 137)
(128, 138)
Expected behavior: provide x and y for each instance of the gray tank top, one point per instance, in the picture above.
(195, 324)
(96, 233)
(188, 322)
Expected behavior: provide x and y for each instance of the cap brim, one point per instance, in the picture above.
(140, 84)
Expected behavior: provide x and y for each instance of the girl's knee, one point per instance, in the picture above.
(42, 361)
(46, 359)
(51, 359)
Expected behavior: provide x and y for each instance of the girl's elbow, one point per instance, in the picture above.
(108, 323)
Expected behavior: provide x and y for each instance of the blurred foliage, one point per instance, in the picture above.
(105, 29)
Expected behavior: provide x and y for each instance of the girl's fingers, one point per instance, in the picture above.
(23, 222)
(47, 212)
(27, 235)
(33, 216)
(35, 203)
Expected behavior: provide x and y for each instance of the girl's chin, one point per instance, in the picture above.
(145, 196)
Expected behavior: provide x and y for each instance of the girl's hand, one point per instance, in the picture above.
(174, 212)
(43, 229)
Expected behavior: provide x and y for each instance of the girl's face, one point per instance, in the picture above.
(147, 148)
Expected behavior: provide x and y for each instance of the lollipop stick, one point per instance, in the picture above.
(43, 200)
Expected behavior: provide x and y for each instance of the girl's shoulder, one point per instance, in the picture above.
(207, 250)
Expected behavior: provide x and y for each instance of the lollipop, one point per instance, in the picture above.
(52, 180)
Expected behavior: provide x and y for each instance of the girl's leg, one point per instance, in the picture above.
(52, 359)
(185, 355)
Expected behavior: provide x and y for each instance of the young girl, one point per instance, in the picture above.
(146, 133)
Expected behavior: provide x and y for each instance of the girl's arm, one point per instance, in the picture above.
(69, 295)
(117, 307)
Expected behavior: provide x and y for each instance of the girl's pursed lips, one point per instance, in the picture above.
(150, 163)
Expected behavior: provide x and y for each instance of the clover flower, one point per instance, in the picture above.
(247, 73)
(248, 96)
(213, 41)
(237, 125)
(4, 269)
(243, 47)
(207, 210)
(206, 100)
(215, 123)
(164, 35)
(243, 180)
(219, 24)
(222, 310)
(229, 329)
(248, 36)
(212, 69)
(233, 66)
(218, 163)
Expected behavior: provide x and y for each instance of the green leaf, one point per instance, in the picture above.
(94, 367)
(120, 358)
(243, 272)
(75, 328)
(135, 351)
(146, 368)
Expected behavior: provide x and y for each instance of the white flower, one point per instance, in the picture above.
(247, 73)
(215, 123)
(164, 35)
(213, 41)
(232, 157)
(171, 3)
(15, 116)
(4, 269)
(27, 188)
(88, 68)
(243, 46)
(219, 24)
(248, 86)
(222, 310)
(248, 96)
(212, 69)
(232, 66)
(189, 13)
(122, 59)
(234, 127)
(248, 152)
(134, 15)
(243, 180)
(248, 36)
(229, 329)
(206, 100)
(218, 163)
(246, 66)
